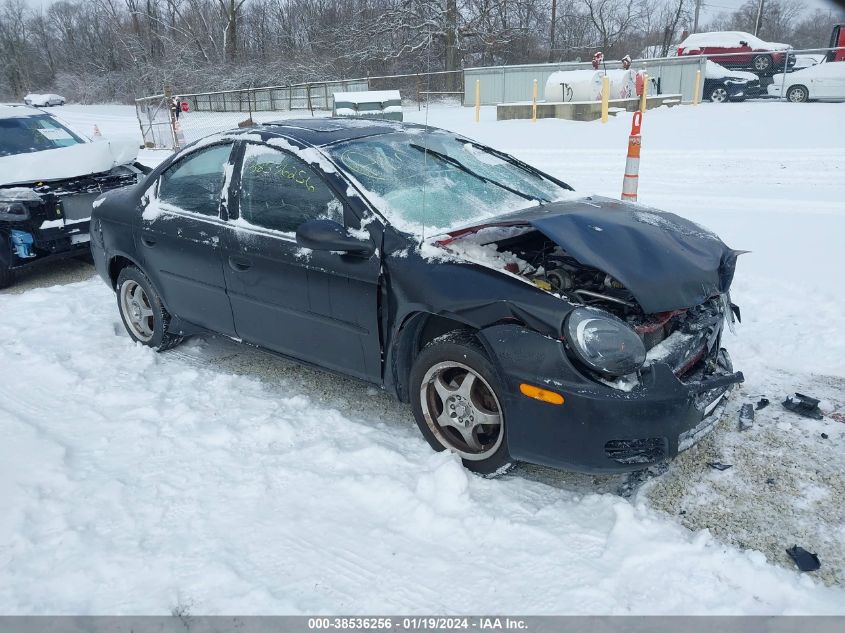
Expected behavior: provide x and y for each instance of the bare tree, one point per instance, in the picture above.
(99, 50)
(231, 13)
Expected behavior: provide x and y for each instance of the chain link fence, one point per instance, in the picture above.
(205, 113)
(209, 112)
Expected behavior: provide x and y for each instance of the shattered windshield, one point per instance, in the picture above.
(21, 135)
(435, 180)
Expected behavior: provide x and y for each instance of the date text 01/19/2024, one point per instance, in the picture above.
(420, 623)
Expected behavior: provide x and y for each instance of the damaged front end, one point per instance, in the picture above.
(46, 220)
(642, 331)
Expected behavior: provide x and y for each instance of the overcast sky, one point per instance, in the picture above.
(712, 8)
(709, 8)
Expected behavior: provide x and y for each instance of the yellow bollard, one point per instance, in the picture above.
(477, 100)
(605, 98)
(534, 104)
(697, 93)
(644, 96)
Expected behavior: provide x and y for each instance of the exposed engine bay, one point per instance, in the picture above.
(680, 337)
(45, 219)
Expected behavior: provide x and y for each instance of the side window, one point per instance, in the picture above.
(280, 191)
(196, 183)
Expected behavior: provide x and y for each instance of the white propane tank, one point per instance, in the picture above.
(573, 85)
(623, 83)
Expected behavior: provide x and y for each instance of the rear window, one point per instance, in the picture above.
(21, 135)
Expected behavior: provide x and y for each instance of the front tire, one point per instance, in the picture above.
(457, 401)
(142, 312)
(797, 94)
(762, 64)
(719, 94)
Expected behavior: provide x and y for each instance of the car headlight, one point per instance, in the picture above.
(13, 211)
(15, 203)
(603, 342)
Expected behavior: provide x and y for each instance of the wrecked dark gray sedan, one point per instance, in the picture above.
(520, 320)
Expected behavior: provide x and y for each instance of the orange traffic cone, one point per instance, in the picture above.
(97, 132)
(632, 164)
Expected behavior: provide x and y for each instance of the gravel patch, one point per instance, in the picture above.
(786, 485)
(55, 273)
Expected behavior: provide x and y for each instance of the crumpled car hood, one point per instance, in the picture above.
(67, 162)
(664, 260)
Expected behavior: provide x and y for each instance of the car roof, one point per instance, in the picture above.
(720, 39)
(324, 131)
(15, 110)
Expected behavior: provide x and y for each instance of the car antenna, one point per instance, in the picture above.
(425, 149)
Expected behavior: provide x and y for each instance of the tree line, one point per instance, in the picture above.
(114, 50)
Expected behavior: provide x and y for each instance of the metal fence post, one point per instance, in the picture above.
(168, 94)
(140, 123)
(783, 81)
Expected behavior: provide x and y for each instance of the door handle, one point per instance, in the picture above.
(148, 239)
(239, 264)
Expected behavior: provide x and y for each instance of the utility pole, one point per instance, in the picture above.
(759, 18)
(695, 20)
(552, 31)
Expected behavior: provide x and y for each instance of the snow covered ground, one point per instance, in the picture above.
(216, 479)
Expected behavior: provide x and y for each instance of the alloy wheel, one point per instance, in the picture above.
(762, 63)
(719, 95)
(797, 94)
(462, 410)
(137, 311)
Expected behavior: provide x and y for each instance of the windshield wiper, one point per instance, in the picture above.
(456, 163)
(511, 160)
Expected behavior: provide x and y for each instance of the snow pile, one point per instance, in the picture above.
(717, 71)
(169, 482)
(367, 96)
(220, 478)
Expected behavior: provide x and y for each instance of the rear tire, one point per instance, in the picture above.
(761, 64)
(142, 312)
(457, 401)
(797, 94)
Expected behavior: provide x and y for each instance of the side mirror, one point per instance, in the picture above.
(743, 43)
(328, 235)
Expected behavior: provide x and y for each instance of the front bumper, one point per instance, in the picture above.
(774, 89)
(598, 428)
(57, 215)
